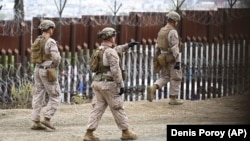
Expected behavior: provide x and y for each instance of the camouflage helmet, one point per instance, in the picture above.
(174, 16)
(46, 24)
(107, 33)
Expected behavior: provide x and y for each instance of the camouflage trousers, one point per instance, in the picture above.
(42, 86)
(168, 74)
(106, 94)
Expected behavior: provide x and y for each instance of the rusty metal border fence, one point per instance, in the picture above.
(136, 25)
(210, 69)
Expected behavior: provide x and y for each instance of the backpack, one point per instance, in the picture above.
(38, 50)
(96, 61)
(162, 39)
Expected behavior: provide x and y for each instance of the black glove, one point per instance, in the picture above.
(121, 91)
(131, 44)
(177, 66)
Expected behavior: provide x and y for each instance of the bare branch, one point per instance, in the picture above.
(232, 3)
(60, 7)
(64, 4)
(114, 11)
(174, 3)
(181, 3)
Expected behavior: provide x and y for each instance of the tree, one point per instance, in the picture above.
(178, 4)
(115, 10)
(232, 3)
(60, 6)
(18, 10)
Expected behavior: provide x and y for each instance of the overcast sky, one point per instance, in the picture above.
(77, 8)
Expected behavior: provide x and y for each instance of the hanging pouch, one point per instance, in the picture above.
(51, 74)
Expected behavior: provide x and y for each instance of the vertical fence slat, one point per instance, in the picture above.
(241, 65)
(195, 70)
(234, 66)
(140, 56)
(247, 63)
(237, 65)
(129, 74)
(201, 91)
(199, 69)
(206, 69)
(218, 66)
(134, 73)
(227, 56)
(184, 69)
(222, 65)
(210, 69)
(231, 65)
(192, 68)
(188, 73)
(215, 70)
(147, 74)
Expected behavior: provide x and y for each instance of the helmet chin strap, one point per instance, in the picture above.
(109, 42)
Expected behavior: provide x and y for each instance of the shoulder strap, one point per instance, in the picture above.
(103, 68)
(46, 57)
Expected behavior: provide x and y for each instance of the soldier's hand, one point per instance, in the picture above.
(131, 44)
(177, 66)
(121, 91)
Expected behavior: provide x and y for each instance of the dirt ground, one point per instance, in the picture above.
(147, 119)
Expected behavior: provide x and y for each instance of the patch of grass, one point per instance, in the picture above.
(22, 96)
(77, 99)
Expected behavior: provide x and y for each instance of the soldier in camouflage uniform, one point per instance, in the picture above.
(168, 44)
(42, 85)
(108, 86)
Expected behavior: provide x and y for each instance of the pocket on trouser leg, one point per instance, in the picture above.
(177, 75)
(93, 102)
(53, 90)
(117, 102)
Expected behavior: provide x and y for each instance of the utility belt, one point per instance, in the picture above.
(166, 52)
(101, 77)
(166, 58)
(162, 60)
(45, 67)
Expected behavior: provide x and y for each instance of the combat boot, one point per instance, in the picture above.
(47, 123)
(150, 92)
(89, 136)
(128, 135)
(174, 100)
(37, 126)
